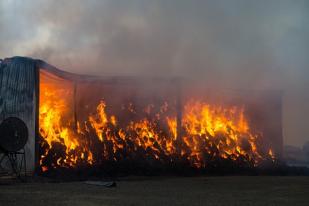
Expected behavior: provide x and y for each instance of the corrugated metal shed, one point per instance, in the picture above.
(19, 97)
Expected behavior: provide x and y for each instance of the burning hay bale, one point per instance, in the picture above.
(212, 136)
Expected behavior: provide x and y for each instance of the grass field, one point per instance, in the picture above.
(229, 190)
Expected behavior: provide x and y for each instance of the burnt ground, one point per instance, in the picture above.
(220, 190)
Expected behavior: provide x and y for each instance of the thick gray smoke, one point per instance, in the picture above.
(240, 44)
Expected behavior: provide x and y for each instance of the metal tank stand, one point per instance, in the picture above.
(17, 162)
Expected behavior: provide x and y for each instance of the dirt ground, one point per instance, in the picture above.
(232, 190)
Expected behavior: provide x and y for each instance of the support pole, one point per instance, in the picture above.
(74, 106)
(179, 114)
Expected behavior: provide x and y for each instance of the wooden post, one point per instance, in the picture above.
(74, 106)
(179, 115)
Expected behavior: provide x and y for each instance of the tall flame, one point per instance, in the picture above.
(208, 132)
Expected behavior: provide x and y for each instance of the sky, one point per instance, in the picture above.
(259, 45)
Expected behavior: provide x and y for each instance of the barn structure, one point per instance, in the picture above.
(77, 120)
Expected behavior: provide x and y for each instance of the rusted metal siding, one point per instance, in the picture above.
(18, 99)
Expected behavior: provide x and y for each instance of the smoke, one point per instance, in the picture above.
(235, 44)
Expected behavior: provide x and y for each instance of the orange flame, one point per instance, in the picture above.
(208, 131)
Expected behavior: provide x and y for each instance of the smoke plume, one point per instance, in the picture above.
(232, 44)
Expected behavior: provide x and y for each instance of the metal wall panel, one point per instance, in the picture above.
(18, 99)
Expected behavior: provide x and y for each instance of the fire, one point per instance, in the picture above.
(99, 122)
(209, 133)
(222, 131)
(56, 130)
